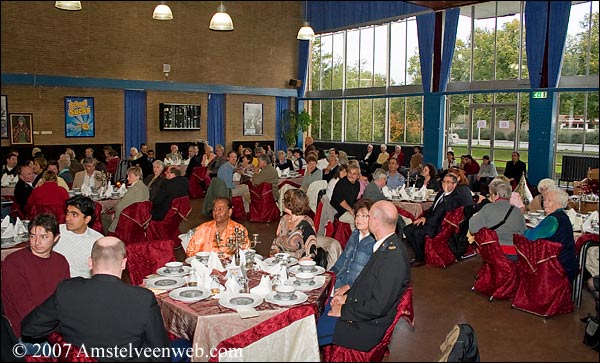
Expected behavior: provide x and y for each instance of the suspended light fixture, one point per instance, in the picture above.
(162, 11)
(221, 20)
(68, 5)
(306, 32)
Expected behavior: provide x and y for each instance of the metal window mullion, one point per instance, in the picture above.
(520, 61)
(495, 41)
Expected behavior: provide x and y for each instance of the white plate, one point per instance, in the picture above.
(300, 297)
(190, 294)
(185, 270)
(318, 282)
(190, 259)
(240, 301)
(316, 270)
(271, 261)
(165, 283)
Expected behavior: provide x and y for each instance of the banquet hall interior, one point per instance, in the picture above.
(484, 78)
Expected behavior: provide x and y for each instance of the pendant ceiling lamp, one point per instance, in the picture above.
(306, 32)
(68, 5)
(221, 20)
(162, 11)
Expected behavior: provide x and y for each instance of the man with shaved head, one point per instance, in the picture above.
(368, 308)
(101, 311)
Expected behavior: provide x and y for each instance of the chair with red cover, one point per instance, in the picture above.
(583, 243)
(543, 287)
(97, 225)
(237, 205)
(263, 207)
(437, 251)
(497, 277)
(68, 352)
(133, 222)
(196, 189)
(168, 228)
(58, 210)
(144, 258)
(337, 353)
(342, 232)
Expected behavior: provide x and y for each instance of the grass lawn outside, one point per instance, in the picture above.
(503, 155)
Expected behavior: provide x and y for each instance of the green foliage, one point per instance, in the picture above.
(292, 123)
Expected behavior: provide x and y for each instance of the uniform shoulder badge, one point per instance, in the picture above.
(391, 247)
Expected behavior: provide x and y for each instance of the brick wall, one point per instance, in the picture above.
(120, 40)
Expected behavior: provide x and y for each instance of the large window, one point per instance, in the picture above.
(367, 83)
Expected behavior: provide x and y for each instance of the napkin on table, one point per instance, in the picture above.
(9, 232)
(403, 194)
(122, 189)
(200, 271)
(214, 263)
(386, 192)
(263, 288)
(6, 221)
(109, 190)
(587, 225)
(86, 190)
(19, 227)
(6, 180)
(232, 286)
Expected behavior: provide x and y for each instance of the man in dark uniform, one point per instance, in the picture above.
(368, 308)
(515, 169)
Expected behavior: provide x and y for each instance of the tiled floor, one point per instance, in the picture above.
(443, 298)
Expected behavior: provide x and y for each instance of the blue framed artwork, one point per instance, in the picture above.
(79, 117)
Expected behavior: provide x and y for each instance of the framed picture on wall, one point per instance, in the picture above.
(4, 128)
(21, 128)
(253, 119)
(79, 117)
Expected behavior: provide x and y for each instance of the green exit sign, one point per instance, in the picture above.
(540, 94)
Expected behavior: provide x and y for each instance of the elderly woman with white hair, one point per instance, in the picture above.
(557, 227)
(538, 202)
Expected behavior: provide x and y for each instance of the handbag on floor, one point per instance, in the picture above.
(591, 336)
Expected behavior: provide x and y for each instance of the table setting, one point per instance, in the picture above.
(14, 233)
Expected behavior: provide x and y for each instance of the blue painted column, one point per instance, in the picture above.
(434, 108)
(542, 129)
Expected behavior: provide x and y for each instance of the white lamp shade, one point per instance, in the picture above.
(162, 12)
(221, 20)
(306, 32)
(68, 5)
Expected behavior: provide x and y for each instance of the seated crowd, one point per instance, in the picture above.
(372, 272)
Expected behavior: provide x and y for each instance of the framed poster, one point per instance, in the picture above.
(253, 119)
(4, 128)
(79, 117)
(21, 128)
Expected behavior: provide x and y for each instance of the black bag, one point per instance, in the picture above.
(459, 242)
(591, 335)
(321, 257)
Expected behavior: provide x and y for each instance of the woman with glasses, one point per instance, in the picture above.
(296, 231)
(359, 247)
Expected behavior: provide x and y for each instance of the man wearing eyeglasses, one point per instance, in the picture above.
(204, 236)
(430, 224)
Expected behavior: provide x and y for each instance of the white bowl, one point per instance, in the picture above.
(282, 256)
(306, 265)
(305, 278)
(173, 267)
(285, 292)
(203, 257)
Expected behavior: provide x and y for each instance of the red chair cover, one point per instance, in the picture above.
(133, 222)
(497, 277)
(68, 352)
(57, 209)
(337, 353)
(301, 171)
(111, 165)
(196, 180)
(407, 214)
(583, 239)
(317, 219)
(15, 208)
(437, 251)
(342, 232)
(97, 225)
(263, 207)
(543, 287)
(144, 258)
(237, 203)
(168, 228)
